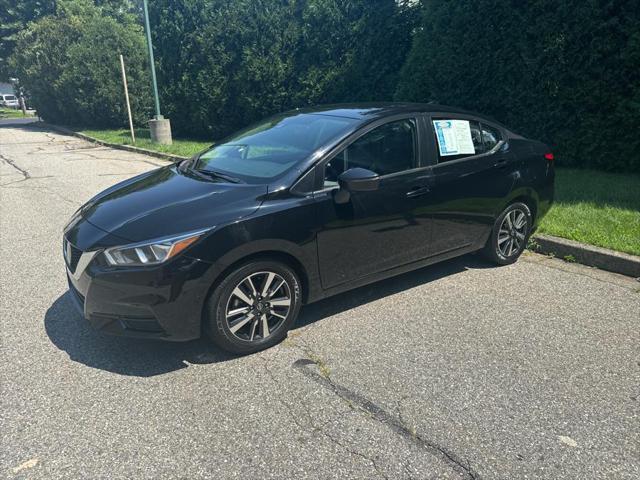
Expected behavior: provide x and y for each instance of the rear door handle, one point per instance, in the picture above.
(501, 163)
(417, 191)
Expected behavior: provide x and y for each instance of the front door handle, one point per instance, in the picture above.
(417, 191)
(500, 163)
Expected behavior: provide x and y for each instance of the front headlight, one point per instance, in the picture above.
(152, 252)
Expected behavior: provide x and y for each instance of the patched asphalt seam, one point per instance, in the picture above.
(321, 430)
(384, 417)
(8, 161)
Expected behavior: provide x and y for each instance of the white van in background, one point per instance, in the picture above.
(9, 101)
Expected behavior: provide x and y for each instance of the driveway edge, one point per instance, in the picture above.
(602, 258)
(118, 146)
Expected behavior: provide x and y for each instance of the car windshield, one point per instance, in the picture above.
(9, 97)
(270, 149)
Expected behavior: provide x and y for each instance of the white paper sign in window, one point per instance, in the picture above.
(454, 137)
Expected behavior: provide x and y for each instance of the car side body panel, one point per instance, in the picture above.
(285, 226)
(417, 217)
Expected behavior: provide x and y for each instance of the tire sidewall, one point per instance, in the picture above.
(494, 251)
(216, 323)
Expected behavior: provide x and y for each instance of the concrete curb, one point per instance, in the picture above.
(602, 258)
(165, 156)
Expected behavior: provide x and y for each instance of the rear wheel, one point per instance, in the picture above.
(254, 307)
(509, 235)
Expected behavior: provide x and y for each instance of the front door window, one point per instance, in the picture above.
(387, 149)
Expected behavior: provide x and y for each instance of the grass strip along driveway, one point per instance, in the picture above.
(182, 147)
(12, 113)
(597, 208)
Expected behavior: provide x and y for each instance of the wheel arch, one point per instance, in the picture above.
(527, 196)
(277, 255)
(285, 252)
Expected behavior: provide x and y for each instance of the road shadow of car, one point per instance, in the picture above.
(124, 356)
(146, 358)
(384, 288)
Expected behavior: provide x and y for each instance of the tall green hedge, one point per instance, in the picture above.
(14, 17)
(565, 72)
(69, 65)
(223, 64)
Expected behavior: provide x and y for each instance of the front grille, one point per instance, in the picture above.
(71, 255)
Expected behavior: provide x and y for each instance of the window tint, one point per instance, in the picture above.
(490, 137)
(269, 149)
(476, 137)
(457, 138)
(387, 149)
(483, 137)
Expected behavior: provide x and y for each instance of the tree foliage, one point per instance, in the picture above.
(567, 73)
(14, 17)
(223, 64)
(68, 63)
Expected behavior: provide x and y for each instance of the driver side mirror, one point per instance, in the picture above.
(359, 180)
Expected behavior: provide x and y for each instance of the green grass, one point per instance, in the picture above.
(182, 147)
(12, 113)
(597, 208)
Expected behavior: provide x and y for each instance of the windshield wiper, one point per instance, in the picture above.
(213, 174)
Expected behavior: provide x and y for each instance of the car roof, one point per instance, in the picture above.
(374, 111)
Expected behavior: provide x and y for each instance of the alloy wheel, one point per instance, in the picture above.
(257, 306)
(512, 233)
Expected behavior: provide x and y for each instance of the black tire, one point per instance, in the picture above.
(500, 253)
(248, 338)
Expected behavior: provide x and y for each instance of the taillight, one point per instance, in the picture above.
(549, 156)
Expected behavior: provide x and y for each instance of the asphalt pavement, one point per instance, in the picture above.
(459, 370)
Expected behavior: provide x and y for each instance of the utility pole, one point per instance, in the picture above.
(160, 127)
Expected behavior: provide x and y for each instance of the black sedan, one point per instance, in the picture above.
(296, 208)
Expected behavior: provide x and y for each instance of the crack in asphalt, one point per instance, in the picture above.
(27, 176)
(320, 428)
(42, 189)
(384, 417)
(409, 473)
(80, 151)
(12, 163)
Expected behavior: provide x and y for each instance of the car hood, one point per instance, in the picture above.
(167, 202)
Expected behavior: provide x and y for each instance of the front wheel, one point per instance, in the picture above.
(254, 307)
(509, 236)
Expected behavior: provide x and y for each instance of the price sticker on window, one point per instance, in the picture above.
(454, 137)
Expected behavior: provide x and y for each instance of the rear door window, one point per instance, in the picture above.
(457, 138)
(490, 137)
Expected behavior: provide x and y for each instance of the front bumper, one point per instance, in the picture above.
(161, 302)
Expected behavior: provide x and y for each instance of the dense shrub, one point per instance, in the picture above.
(224, 64)
(567, 73)
(69, 65)
(14, 17)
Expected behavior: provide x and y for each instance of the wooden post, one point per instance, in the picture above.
(23, 105)
(126, 96)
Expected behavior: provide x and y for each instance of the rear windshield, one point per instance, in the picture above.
(9, 97)
(270, 149)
